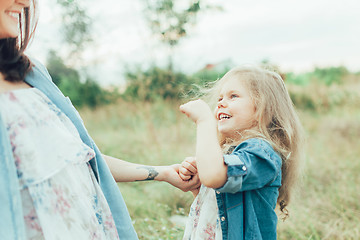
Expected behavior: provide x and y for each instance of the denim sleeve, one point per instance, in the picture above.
(252, 165)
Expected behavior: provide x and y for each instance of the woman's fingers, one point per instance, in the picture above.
(184, 177)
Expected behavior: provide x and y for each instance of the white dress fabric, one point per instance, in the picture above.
(61, 198)
(203, 222)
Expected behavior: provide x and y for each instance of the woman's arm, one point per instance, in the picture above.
(123, 171)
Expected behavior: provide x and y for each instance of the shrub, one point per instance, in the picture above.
(325, 76)
(156, 83)
(87, 93)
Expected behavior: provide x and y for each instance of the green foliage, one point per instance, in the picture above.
(298, 79)
(58, 69)
(87, 93)
(325, 76)
(76, 25)
(320, 99)
(330, 75)
(156, 83)
(324, 89)
(93, 95)
(169, 22)
(318, 91)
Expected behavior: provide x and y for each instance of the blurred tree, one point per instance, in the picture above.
(87, 93)
(76, 25)
(66, 78)
(64, 69)
(156, 83)
(170, 20)
(330, 75)
(93, 95)
(326, 76)
(58, 69)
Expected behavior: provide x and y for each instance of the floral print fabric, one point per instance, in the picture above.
(203, 222)
(61, 198)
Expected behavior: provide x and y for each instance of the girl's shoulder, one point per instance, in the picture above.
(258, 146)
(254, 142)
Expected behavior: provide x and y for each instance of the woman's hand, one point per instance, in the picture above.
(172, 176)
(188, 171)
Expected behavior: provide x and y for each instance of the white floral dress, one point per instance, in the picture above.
(61, 198)
(203, 222)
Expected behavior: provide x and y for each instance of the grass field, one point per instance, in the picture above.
(326, 206)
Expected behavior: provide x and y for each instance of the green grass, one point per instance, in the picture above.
(326, 206)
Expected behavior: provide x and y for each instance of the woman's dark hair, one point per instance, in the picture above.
(14, 64)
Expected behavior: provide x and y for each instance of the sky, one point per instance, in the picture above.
(297, 36)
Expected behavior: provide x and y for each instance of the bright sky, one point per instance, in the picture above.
(295, 35)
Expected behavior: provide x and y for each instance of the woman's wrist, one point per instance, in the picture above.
(163, 172)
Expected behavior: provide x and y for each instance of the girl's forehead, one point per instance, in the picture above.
(232, 83)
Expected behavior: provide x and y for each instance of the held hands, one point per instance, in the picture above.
(188, 168)
(173, 177)
(188, 171)
(197, 110)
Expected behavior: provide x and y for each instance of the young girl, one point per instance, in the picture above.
(54, 181)
(247, 156)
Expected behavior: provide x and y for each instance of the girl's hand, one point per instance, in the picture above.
(197, 110)
(172, 176)
(188, 168)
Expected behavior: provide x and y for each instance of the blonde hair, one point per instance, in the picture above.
(276, 122)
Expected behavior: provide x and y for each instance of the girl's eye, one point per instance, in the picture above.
(219, 99)
(234, 96)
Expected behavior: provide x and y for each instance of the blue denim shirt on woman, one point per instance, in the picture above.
(248, 199)
(11, 216)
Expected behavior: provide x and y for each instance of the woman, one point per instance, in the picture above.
(53, 179)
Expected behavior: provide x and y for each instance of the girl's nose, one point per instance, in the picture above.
(222, 103)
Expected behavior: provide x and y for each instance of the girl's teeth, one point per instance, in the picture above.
(224, 117)
(13, 14)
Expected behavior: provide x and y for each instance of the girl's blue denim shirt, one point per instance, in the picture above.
(11, 217)
(248, 199)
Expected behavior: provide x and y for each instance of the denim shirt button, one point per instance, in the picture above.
(217, 192)
(222, 219)
(244, 168)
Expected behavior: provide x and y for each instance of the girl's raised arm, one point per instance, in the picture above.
(209, 158)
